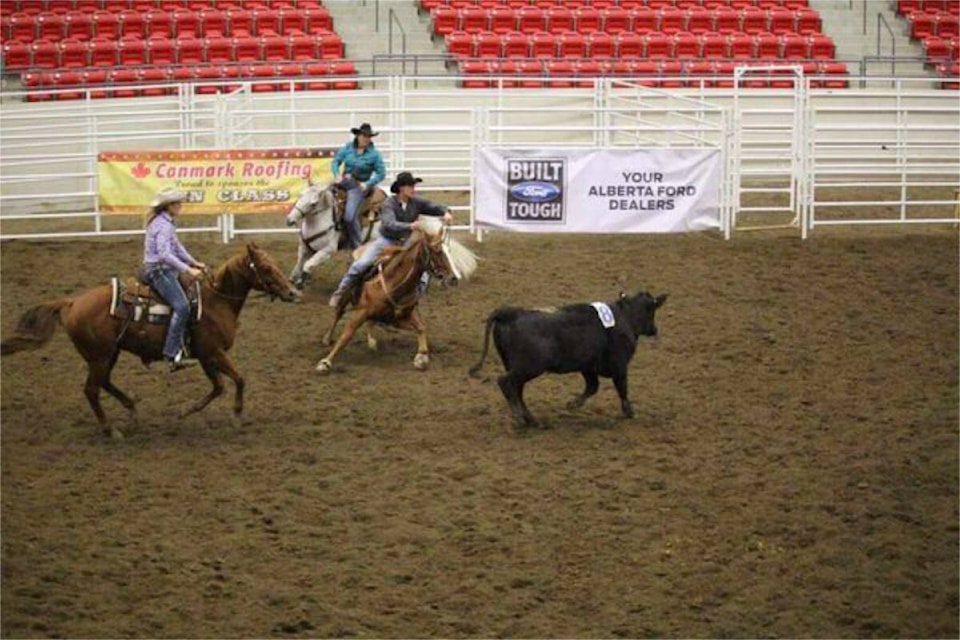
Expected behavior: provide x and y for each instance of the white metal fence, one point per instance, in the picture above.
(884, 152)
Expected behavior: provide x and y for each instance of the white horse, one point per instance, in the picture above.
(315, 211)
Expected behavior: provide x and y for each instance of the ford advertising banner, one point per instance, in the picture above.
(599, 191)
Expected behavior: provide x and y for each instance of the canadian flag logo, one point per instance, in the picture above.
(140, 171)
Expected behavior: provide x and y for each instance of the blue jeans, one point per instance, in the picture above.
(351, 219)
(367, 258)
(164, 280)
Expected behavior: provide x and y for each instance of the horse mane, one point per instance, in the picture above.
(462, 258)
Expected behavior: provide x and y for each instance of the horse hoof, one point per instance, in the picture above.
(420, 361)
(324, 366)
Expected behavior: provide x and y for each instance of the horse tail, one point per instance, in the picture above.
(35, 328)
(503, 314)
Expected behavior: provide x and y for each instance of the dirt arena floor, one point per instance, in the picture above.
(792, 470)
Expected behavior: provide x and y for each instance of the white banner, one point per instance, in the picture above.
(599, 191)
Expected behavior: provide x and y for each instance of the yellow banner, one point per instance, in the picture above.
(255, 181)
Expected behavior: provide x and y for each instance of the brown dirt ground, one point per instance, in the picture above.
(792, 469)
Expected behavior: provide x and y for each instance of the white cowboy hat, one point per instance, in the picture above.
(167, 196)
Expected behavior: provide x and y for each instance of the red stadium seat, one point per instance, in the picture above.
(330, 46)
(154, 75)
(303, 47)
(601, 45)
(290, 70)
(62, 79)
(559, 19)
(266, 22)
(905, 7)
(157, 23)
(45, 54)
(261, 72)
(246, 49)
(472, 19)
(586, 20)
(586, 71)
(502, 19)
(16, 55)
(671, 20)
(118, 78)
(629, 45)
(274, 48)
(88, 6)
(766, 45)
(293, 21)
(208, 73)
(838, 75)
(700, 68)
(103, 52)
(106, 25)
(948, 26)
(476, 72)
(459, 44)
(794, 46)
(132, 51)
(95, 78)
(686, 45)
(822, 47)
(572, 45)
(317, 70)
(780, 21)
(713, 45)
(560, 73)
(36, 80)
(530, 20)
(131, 23)
(184, 74)
(921, 25)
(185, 23)
(724, 69)
(189, 50)
(239, 23)
(217, 50)
(160, 50)
(22, 27)
(796, 4)
(318, 18)
(935, 50)
(699, 20)
(726, 20)
(444, 20)
(645, 20)
(78, 25)
(646, 73)
(530, 73)
(515, 45)
(808, 22)
(49, 26)
(213, 23)
(343, 69)
(671, 74)
(658, 45)
(73, 53)
(487, 45)
(543, 45)
(740, 46)
(615, 20)
(753, 20)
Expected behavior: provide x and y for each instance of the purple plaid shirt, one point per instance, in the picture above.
(162, 246)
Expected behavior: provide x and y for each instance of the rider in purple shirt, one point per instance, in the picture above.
(164, 258)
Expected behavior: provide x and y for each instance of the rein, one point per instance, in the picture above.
(209, 279)
(423, 257)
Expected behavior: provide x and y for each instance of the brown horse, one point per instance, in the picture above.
(391, 295)
(99, 336)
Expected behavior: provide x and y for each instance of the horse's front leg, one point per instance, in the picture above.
(325, 253)
(213, 373)
(356, 320)
(296, 276)
(415, 323)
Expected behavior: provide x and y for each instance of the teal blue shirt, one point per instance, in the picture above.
(365, 167)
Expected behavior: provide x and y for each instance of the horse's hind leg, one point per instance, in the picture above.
(98, 374)
(415, 323)
(354, 323)
(128, 403)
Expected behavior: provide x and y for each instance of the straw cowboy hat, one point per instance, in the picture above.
(404, 179)
(365, 129)
(170, 195)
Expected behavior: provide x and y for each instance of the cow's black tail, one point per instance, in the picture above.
(503, 314)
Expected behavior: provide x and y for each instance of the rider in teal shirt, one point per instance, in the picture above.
(358, 167)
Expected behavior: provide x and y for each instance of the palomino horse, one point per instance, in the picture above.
(391, 295)
(319, 212)
(100, 336)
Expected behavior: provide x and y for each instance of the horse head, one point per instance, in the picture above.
(266, 275)
(314, 200)
(446, 257)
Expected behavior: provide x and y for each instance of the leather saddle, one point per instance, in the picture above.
(134, 300)
(369, 213)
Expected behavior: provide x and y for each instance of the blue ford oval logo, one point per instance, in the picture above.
(534, 191)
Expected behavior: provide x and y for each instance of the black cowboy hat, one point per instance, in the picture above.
(404, 179)
(364, 129)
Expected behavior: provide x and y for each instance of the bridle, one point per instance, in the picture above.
(425, 259)
(303, 215)
(258, 280)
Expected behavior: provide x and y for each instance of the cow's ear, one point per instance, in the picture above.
(660, 299)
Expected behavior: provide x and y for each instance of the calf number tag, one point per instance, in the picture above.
(604, 313)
